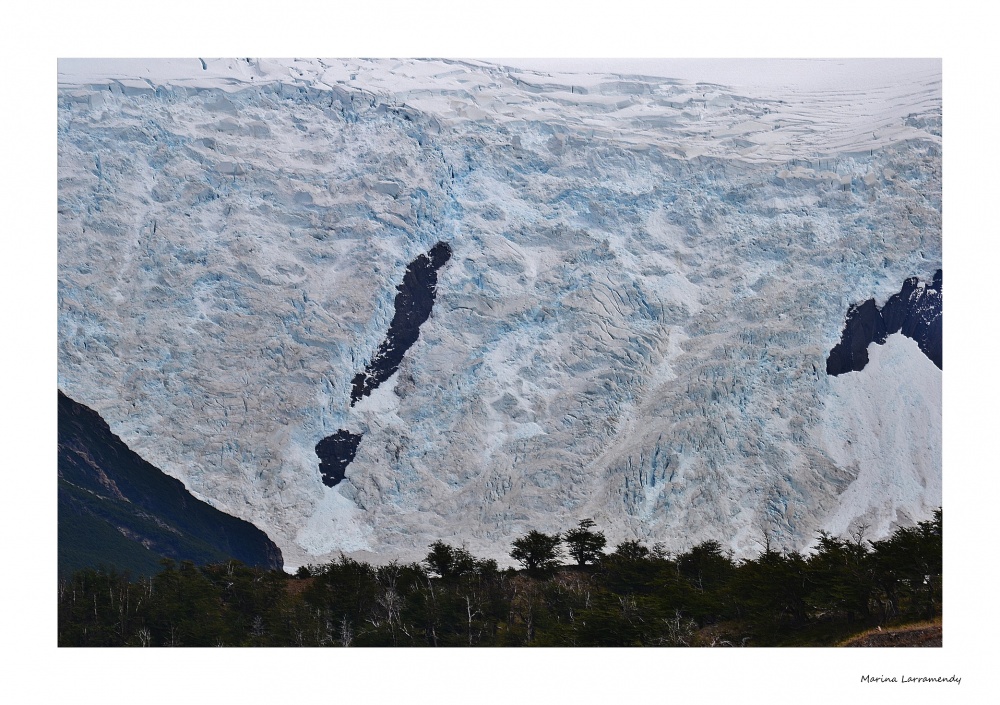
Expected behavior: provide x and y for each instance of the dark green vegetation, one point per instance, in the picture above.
(117, 510)
(634, 596)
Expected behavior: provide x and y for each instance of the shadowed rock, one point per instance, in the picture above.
(335, 454)
(915, 312)
(117, 510)
(414, 301)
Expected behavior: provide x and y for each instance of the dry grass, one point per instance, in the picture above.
(928, 634)
(296, 586)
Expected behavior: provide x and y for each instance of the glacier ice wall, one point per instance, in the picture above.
(647, 277)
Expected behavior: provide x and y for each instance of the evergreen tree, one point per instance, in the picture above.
(585, 546)
(907, 568)
(771, 592)
(449, 561)
(705, 565)
(187, 609)
(536, 551)
(631, 551)
(841, 577)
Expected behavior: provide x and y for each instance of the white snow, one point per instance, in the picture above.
(755, 109)
(885, 424)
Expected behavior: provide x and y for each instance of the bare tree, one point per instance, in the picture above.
(346, 633)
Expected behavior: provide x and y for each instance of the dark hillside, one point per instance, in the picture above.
(117, 510)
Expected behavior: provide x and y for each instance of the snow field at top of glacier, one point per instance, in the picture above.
(805, 109)
(648, 273)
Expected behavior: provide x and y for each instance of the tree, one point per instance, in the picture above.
(585, 545)
(629, 570)
(907, 568)
(771, 592)
(841, 574)
(706, 566)
(536, 551)
(449, 561)
(631, 551)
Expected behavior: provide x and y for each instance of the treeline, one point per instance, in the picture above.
(632, 596)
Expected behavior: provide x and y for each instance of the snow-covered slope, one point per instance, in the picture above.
(647, 276)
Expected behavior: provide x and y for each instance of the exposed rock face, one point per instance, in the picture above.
(335, 453)
(413, 304)
(116, 509)
(645, 280)
(915, 312)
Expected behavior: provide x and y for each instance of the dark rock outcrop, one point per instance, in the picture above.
(413, 305)
(117, 510)
(414, 301)
(915, 312)
(335, 454)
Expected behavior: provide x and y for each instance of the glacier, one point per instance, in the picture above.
(648, 273)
